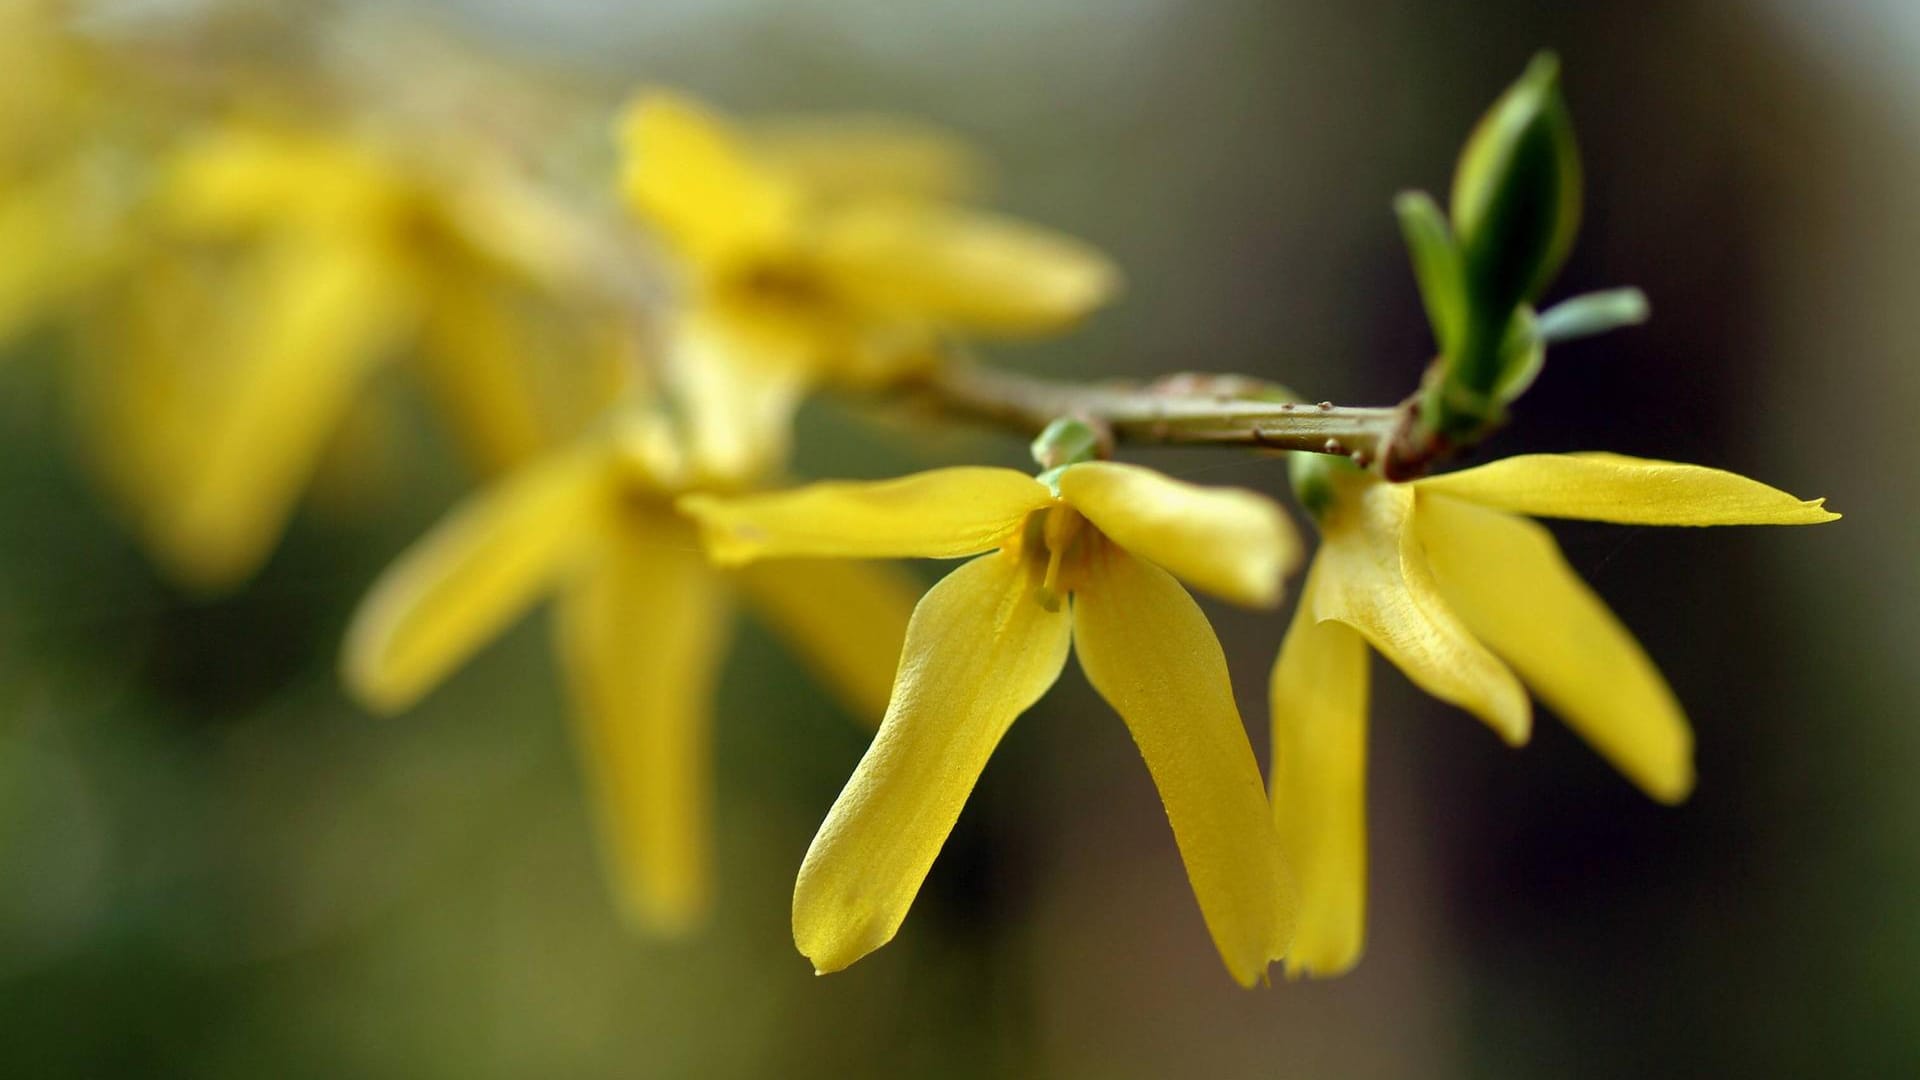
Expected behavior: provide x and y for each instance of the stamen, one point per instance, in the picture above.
(1062, 527)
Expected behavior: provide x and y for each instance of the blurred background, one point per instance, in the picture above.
(216, 865)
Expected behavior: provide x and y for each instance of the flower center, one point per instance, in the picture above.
(1053, 545)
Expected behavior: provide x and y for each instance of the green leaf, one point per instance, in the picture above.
(1523, 352)
(1593, 313)
(1436, 265)
(1066, 441)
(1516, 193)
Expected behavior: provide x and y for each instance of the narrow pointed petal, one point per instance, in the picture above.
(1625, 490)
(1151, 654)
(309, 323)
(1233, 543)
(476, 572)
(939, 514)
(239, 177)
(848, 620)
(973, 271)
(979, 652)
(865, 157)
(1373, 576)
(739, 387)
(1319, 703)
(1505, 577)
(641, 635)
(475, 360)
(129, 381)
(55, 246)
(689, 174)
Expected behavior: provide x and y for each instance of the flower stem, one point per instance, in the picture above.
(1188, 410)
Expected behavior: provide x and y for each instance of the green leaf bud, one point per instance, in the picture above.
(1516, 194)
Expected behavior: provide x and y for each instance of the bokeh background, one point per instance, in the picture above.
(215, 865)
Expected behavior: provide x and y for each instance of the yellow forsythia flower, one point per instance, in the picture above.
(987, 642)
(60, 202)
(313, 258)
(826, 252)
(641, 625)
(1471, 600)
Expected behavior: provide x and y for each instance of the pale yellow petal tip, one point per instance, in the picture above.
(662, 918)
(1266, 585)
(362, 677)
(1075, 295)
(365, 669)
(1324, 964)
(1512, 722)
(1673, 789)
(837, 953)
(1252, 977)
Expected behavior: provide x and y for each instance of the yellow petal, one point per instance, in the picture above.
(1625, 490)
(477, 571)
(868, 156)
(739, 387)
(241, 177)
(964, 269)
(847, 619)
(1319, 702)
(641, 633)
(55, 243)
(940, 514)
(130, 385)
(1151, 654)
(1373, 576)
(309, 322)
(1226, 541)
(690, 176)
(1505, 577)
(476, 360)
(979, 652)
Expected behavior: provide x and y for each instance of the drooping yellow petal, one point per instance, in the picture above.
(858, 157)
(1373, 576)
(939, 514)
(130, 384)
(1319, 703)
(1151, 654)
(1506, 579)
(308, 323)
(847, 619)
(475, 359)
(693, 178)
(241, 177)
(1625, 490)
(477, 571)
(973, 271)
(979, 652)
(641, 633)
(52, 245)
(739, 386)
(1226, 541)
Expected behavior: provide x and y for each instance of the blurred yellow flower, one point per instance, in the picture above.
(59, 204)
(288, 265)
(827, 252)
(641, 625)
(989, 639)
(1446, 579)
